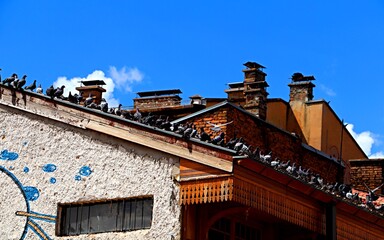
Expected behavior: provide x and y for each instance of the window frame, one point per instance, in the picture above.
(123, 222)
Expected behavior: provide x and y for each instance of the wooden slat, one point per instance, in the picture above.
(279, 204)
(206, 191)
(191, 169)
(161, 146)
(350, 229)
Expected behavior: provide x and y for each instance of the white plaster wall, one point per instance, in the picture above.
(119, 170)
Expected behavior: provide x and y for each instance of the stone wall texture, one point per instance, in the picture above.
(58, 163)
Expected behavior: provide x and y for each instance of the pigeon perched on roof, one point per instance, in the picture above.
(59, 92)
(188, 130)
(103, 105)
(39, 89)
(137, 115)
(166, 124)
(21, 82)
(10, 79)
(31, 87)
(50, 91)
(194, 132)
(371, 193)
(218, 140)
(88, 100)
(204, 136)
(72, 98)
(14, 83)
(117, 111)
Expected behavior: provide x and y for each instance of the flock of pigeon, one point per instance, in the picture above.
(189, 130)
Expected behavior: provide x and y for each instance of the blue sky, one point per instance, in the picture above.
(200, 46)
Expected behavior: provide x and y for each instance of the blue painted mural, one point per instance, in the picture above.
(85, 171)
(49, 167)
(5, 155)
(30, 194)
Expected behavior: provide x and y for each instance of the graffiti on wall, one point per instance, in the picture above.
(20, 196)
(23, 218)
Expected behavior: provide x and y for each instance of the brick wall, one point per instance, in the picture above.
(258, 133)
(368, 171)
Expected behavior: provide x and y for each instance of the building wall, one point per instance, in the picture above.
(267, 137)
(57, 163)
(368, 171)
(277, 113)
(333, 135)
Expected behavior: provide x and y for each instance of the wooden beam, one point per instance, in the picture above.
(173, 149)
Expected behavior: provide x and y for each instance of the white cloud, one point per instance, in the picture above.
(124, 78)
(379, 154)
(71, 84)
(327, 90)
(366, 140)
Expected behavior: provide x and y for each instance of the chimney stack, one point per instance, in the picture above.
(301, 88)
(255, 92)
(93, 88)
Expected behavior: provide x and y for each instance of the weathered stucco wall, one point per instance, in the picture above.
(58, 163)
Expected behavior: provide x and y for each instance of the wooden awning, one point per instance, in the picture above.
(280, 205)
(285, 199)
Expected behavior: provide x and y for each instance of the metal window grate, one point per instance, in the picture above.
(107, 216)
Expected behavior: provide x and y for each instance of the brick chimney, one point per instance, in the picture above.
(301, 88)
(255, 92)
(93, 87)
(157, 99)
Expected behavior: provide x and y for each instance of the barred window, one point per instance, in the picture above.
(106, 216)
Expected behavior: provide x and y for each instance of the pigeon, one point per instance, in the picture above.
(275, 162)
(371, 193)
(217, 127)
(103, 105)
(10, 79)
(149, 120)
(93, 105)
(174, 126)
(239, 145)
(21, 82)
(266, 158)
(59, 92)
(137, 115)
(39, 89)
(188, 130)
(50, 91)
(303, 173)
(194, 132)
(166, 125)
(88, 100)
(283, 165)
(231, 143)
(117, 111)
(218, 139)
(72, 98)
(291, 169)
(79, 97)
(204, 136)
(245, 150)
(31, 87)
